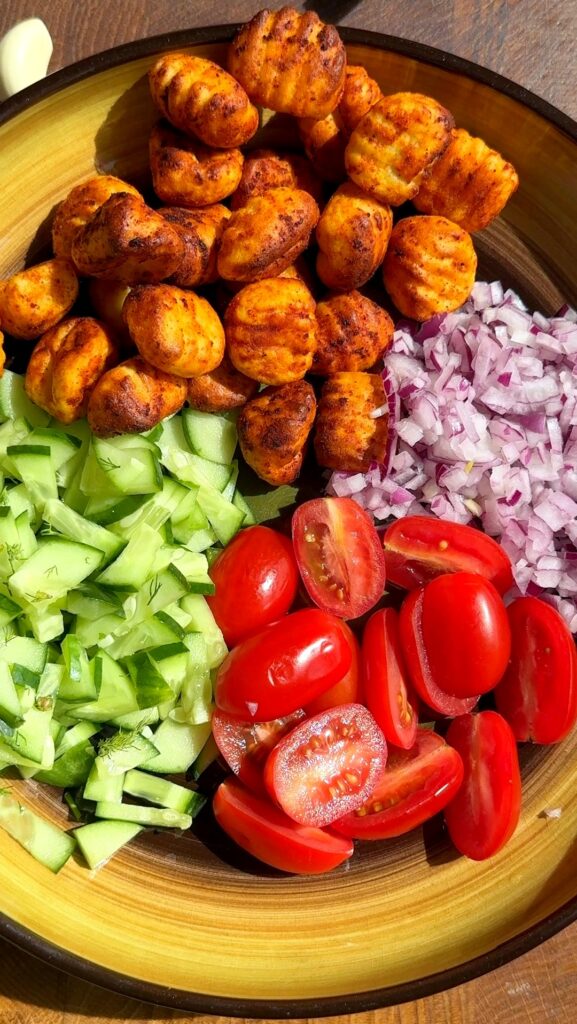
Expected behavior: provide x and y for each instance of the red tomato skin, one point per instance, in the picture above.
(419, 548)
(349, 689)
(339, 555)
(416, 785)
(410, 633)
(256, 579)
(283, 667)
(483, 815)
(264, 831)
(538, 693)
(327, 766)
(389, 693)
(466, 633)
(245, 746)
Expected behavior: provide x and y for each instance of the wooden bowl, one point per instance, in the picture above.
(188, 922)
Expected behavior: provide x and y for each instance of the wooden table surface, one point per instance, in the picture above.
(534, 42)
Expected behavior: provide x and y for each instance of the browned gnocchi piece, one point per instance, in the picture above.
(264, 169)
(267, 234)
(352, 235)
(221, 390)
(201, 232)
(34, 300)
(174, 330)
(187, 173)
(289, 61)
(396, 143)
(273, 430)
(353, 333)
(66, 364)
(470, 183)
(271, 330)
(347, 436)
(107, 299)
(132, 397)
(127, 241)
(80, 205)
(360, 93)
(429, 267)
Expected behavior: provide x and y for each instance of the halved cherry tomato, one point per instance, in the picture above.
(419, 548)
(245, 746)
(256, 579)
(283, 667)
(538, 693)
(349, 689)
(389, 693)
(267, 833)
(416, 785)
(327, 766)
(340, 556)
(484, 813)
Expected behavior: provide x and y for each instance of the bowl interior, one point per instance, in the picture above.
(187, 921)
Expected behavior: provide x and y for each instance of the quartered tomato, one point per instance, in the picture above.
(484, 813)
(388, 691)
(339, 555)
(419, 548)
(327, 766)
(245, 746)
(267, 833)
(349, 689)
(538, 693)
(256, 580)
(416, 785)
(283, 667)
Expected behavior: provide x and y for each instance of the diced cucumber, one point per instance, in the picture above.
(224, 517)
(151, 688)
(178, 745)
(57, 566)
(50, 681)
(193, 471)
(106, 510)
(173, 662)
(200, 540)
(47, 843)
(11, 557)
(100, 840)
(33, 465)
(137, 719)
(162, 792)
(102, 783)
(125, 750)
(203, 621)
(14, 402)
(229, 491)
(131, 470)
(208, 755)
(210, 436)
(10, 707)
(154, 512)
(26, 652)
(153, 632)
(32, 739)
(75, 735)
(134, 564)
(158, 817)
(160, 590)
(26, 536)
(78, 681)
(90, 601)
(45, 619)
(95, 631)
(76, 527)
(72, 768)
(18, 499)
(63, 447)
(116, 694)
(172, 436)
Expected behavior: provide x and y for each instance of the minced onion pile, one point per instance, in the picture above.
(482, 410)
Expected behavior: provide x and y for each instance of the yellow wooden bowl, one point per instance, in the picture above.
(184, 921)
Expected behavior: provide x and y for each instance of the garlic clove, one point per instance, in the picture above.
(25, 52)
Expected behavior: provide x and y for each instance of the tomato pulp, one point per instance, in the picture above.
(245, 746)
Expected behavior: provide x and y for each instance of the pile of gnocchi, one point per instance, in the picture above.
(214, 295)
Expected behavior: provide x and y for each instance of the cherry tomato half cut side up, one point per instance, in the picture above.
(245, 746)
(327, 766)
(484, 813)
(256, 579)
(389, 695)
(283, 667)
(272, 837)
(411, 636)
(416, 785)
(349, 689)
(339, 555)
(419, 548)
(538, 693)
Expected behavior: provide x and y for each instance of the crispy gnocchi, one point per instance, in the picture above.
(201, 232)
(273, 430)
(66, 364)
(79, 207)
(470, 183)
(34, 300)
(271, 330)
(264, 169)
(174, 330)
(221, 390)
(353, 333)
(352, 235)
(202, 99)
(429, 267)
(267, 234)
(132, 397)
(290, 62)
(347, 436)
(396, 143)
(187, 173)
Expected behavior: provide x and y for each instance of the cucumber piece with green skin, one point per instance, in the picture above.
(211, 436)
(224, 517)
(173, 662)
(151, 688)
(102, 784)
(171, 435)
(10, 707)
(155, 511)
(116, 694)
(94, 480)
(137, 720)
(92, 632)
(63, 447)
(33, 465)
(90, 601)
(153, 632)
(57, 566)
(160, 590)
(208, 755)
(133, 565)
(50, 681)
(178, 745)
(47, 843)
(193, 471)
(125, 750)
(45, 620)
(18, 499)
(9, 610)
(100, 840)
(124, 441)
(158, 817)
(11, 556)
(14, 402)
(72, 768)
(77, 527)
(78, 681)
(229, 490)
(106, 510)
(32, 739)
(183, 520)
(75, 735)
(26, 536)
(26, 652)
(162, 792)
(200, 540)
(130, 470)
(203, 621)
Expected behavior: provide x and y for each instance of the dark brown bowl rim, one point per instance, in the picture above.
(358, 1002)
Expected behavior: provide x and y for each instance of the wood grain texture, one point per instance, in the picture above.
(533, 42)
